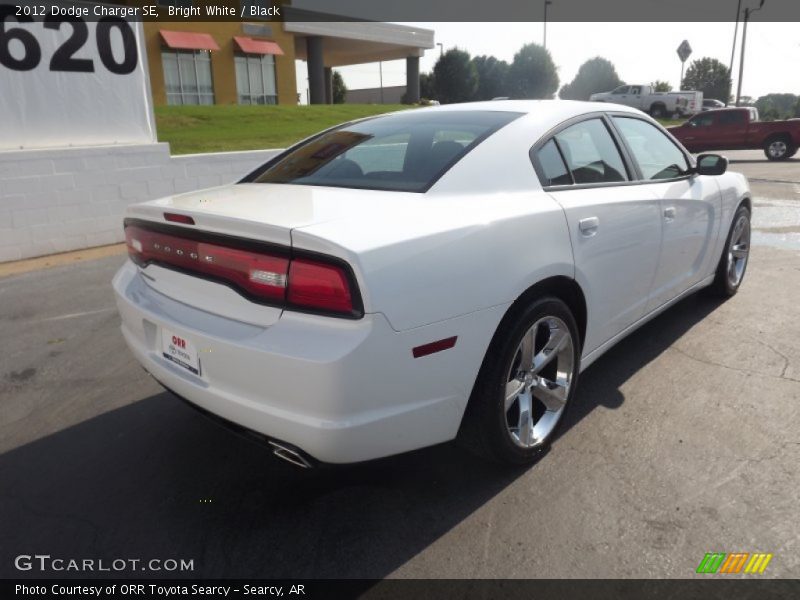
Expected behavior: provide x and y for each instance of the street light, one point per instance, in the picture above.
(747, 13)
(546, 4)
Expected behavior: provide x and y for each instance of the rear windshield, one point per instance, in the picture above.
(407, 151)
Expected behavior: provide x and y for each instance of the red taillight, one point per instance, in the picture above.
(176, 218)
(257, 274)
(300, 282)
(319, 285)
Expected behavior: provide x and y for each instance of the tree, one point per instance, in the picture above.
(709, 76)
(491, 77)
(455, 77)
(427, 86)
(595, 75)
(661, 86)
(532, 74)
(776, 106)
(339, 88)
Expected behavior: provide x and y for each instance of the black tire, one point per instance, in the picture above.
(779, 147)
(658, 111)
(484, 429)
(723, 286)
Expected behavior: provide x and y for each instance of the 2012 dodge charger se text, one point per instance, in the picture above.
(404, 280)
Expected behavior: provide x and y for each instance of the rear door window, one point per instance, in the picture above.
(591, 153)
(733, 117)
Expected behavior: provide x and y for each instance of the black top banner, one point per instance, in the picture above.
(416, 10)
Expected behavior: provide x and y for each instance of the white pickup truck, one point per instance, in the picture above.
(658, 104)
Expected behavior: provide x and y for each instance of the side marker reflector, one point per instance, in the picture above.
(434, 347)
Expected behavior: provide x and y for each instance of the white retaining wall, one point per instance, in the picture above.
(74, 198)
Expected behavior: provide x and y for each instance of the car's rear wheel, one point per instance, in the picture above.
(658, 111)
(779, 148)
(733, 262)
(526, 383)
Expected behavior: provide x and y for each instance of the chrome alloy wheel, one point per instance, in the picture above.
(738, 250)
(778, 149)
(538, 382)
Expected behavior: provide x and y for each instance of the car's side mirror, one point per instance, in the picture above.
(711, 164)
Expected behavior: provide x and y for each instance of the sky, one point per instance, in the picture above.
(641, 52)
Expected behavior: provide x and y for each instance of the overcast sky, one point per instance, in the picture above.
(641, 52)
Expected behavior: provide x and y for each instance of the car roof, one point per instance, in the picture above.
(549, 109)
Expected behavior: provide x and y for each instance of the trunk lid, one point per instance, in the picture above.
(261, 212)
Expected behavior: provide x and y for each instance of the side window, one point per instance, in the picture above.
(657, 155)
(635, 90)
(733, 117)
(621, 90)
(553, 167)
(702, 121)
(590, 152)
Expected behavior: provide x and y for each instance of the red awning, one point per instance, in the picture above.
(251, 46)
(186, 40)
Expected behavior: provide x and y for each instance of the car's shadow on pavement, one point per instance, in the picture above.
(157, 480)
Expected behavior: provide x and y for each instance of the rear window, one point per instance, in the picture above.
(407, 151)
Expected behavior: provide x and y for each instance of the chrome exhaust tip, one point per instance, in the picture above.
(290, 455)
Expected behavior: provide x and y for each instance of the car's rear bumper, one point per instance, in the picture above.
(339, 390)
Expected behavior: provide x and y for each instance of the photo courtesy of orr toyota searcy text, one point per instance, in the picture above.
(152, 590)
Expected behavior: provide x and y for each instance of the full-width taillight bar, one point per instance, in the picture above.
(261, 272)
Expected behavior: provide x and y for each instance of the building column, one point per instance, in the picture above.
(316, 70)
(412, 79)
(328, 85)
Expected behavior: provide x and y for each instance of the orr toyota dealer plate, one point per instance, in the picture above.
(180, 351)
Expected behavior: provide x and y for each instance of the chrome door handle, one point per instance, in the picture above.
(669, 213)
(588, 226)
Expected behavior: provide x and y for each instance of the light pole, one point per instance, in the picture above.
(441, 49)
(546, 4)
(733, 48)
(380, 74)
(747, 13)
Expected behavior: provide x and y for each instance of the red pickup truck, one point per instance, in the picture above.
(737, 129)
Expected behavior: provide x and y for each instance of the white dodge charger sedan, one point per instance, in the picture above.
(407, 279)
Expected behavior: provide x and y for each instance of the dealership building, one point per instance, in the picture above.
(198, 62)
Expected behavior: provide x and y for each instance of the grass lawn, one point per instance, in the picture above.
(671, 122)
(191, 129)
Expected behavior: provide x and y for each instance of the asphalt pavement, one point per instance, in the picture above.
(683, 440)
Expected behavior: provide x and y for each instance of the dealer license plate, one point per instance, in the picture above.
(178, 349)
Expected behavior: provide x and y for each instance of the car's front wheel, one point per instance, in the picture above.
(528, 379)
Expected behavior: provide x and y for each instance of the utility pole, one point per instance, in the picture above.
(380, 73)
(441, 49)
(546, 4)
(733, 48)
(747, 13)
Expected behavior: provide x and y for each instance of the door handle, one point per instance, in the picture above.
(588, 226)
(669, 213)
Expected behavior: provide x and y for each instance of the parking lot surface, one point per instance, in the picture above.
(683, 440)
